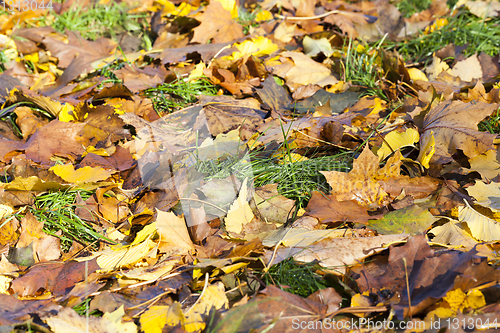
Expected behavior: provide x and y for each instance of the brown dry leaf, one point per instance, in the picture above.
(345, 21)
(55, 277)
(15, 311)
(216, 23)
(273, 310)
(9, 148)
(336, 254)
(303, 71)
(361, 183)
(55, 138)
(327, 209)
(223, 117)
(418, 187)
(102, 126)
(272, 206)
(114, 209)
(27, 121)
(430, 275)
(454, 125)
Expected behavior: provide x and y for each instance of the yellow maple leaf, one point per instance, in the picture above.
(361, 183)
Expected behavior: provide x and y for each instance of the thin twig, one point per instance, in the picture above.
(307, 18)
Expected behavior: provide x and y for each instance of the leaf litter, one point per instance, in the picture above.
(248, 166)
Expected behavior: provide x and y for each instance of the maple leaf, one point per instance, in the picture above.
(216, 23)
(361, 183)
(454, 125)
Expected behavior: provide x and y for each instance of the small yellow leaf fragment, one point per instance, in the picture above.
(475, 299)
(213, 297)
(257, 47)
(427, 150)
(83, 175)
(67, 113)
(455, 298)
(263, 15)
(240, 212)
(417, 74)
(396, 140)
(5, 284)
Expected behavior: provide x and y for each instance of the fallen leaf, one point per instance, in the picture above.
(240, 212)
(487, 195)
(82, 175)
(327, 209)
(173, 232)
(454, 126)
(272, 206)
(55, 138)
(216, 24)
(468, 69)
(304, 70)
(411, 220)
(361, 183)
(67, 320)
(336, 254)
(481, 227)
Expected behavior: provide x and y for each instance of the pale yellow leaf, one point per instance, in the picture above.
(173, 231)
(482, 228)
(453, 233)
(313, 47)
(468, 69)
(110, 259)
(240, 212)
(487, 195)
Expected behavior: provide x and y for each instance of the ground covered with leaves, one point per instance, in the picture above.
(274, 166)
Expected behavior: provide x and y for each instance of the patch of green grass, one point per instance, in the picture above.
(410, 7)
(57, 211)
(480, 35)
(491, 124)
(297, 180)
(82, 309)
(173, 96)
(301, 279)
(246, 19)
(100, 20)
(362, 68)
